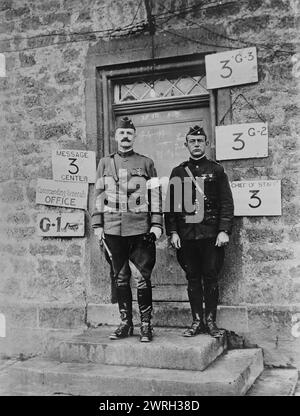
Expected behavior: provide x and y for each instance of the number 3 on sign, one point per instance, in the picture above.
(76, 168)
(234, 67)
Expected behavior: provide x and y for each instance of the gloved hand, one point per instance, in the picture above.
(157, 231)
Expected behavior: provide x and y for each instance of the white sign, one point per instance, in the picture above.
(252, 198)
(60, 194)
(53, 224)
(233, 67)
(74, 165)
(2, 65)
(241, 141)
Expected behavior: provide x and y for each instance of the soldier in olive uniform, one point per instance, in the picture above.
(200, 242)
(128, 215)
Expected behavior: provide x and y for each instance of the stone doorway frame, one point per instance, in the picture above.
(124, 56)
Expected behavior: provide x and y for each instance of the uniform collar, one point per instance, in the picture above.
(197, 161)
(126, 154)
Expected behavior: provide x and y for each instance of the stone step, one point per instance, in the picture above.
(168, 349)
(232, 374)
(275, 382)
(170, 314)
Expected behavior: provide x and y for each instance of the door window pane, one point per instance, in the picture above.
(160, 88)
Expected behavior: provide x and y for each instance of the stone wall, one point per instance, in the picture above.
(43, 105)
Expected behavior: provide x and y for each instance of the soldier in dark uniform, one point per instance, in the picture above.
(128, 215)
(200, 239)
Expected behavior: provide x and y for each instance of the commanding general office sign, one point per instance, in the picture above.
(74, 165)
(60, 194)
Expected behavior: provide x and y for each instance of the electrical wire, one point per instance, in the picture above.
(224, 36)
(107, 31)
(140, 26)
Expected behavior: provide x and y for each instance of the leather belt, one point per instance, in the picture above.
(124, 207)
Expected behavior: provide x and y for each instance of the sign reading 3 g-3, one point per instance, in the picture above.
(233, 67)
(74, 165)
(252, 198)
(241, 141)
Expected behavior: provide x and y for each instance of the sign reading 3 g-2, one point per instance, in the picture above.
(241, 141)
(233, 67)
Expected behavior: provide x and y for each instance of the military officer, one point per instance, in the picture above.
(201, 234)
(128, 216)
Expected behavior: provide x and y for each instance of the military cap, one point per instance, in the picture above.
(125, 123)
(196, 131)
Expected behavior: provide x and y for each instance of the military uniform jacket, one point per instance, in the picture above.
(218, 202)
(127, 197)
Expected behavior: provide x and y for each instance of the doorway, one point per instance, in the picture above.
(162, 109)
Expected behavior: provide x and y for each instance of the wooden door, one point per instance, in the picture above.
(161, 136)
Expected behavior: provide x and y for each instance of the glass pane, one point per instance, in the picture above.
(185, 84)
(161, 88)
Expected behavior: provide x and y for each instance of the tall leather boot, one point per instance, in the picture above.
(125, 328)
(144, 297)
(211, 294)
(195, 295)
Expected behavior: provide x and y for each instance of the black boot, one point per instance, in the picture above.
(211, 303)
(125, 329)
(195, 294)
(144, 297)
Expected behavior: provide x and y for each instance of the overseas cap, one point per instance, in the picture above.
(125, 123)
(196, 131)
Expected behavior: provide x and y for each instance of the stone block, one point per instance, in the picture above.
(5, 5)
(45, 132)
(19, 316)
(275, 383)
(20, 233)
(232, 375)
(11, 192)
(27, 60)
(257, 235)
(74, 250)
(59, 317)
(45, 249)
(32, 101)
(168, 349)
(275, 254)
(18, 218)
(66, 77)
(169, 314)
(24, 342)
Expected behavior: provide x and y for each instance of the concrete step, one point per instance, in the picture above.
(168, 349)
(275, 382)
(232, 374)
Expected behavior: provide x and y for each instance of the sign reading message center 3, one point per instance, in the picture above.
(233, 67)
(74, 165)
(252, 198)
(60, 194)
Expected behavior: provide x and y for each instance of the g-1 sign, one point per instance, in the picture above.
(61, 194)
(233, 67)
(52, 224)
(253, 198)
(74, 165)
(241, 141)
